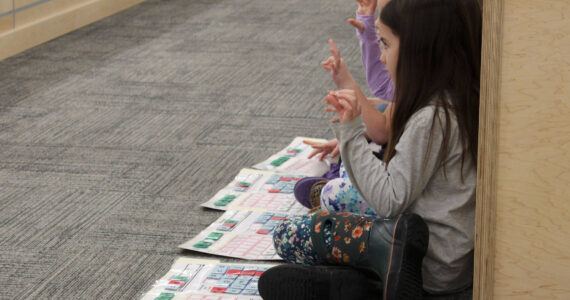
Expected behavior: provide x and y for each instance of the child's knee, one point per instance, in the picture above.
(331, 191)
(292, 240)
(291, 227)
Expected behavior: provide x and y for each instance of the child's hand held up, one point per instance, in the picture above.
(356, 24)
(343, 102)
(366, 7)
(338, 69)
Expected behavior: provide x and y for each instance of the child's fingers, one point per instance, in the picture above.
(331, 65)
(334, 119)
(358, 25)
(328, 61)
(334, 50)
(312, 143)
(347, 106)
(332, 100)
(323, 155)
(315, 152)
(330, 109)
(335, 152)
(346, 93)
(328, 64)
(308, 142)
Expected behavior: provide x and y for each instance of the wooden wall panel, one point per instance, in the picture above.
(38, 9)
(5, 6)
(532, 233)
(51, 19)
(6, 22)
(483, 280)
(22, 3)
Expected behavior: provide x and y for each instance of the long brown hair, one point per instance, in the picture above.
(439, 60)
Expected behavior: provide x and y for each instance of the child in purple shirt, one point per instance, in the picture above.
(375, 114)
(377, 76)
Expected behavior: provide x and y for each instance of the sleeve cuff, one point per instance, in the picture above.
(345, 131)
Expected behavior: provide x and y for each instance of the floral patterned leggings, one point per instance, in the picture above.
(292, 238)
(292, 241)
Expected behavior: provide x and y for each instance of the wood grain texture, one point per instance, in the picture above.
(33, 11)
(22, 3)
(487, 151)
(5, 6)
(5, 24)
(532, 242)
(50, 20)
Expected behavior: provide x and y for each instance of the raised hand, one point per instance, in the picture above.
(366, 7)
(333, 63)
(323, 149)
(356, 24)
(343, 102)
(338, 69)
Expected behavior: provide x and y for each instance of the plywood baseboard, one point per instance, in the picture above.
(59, 23)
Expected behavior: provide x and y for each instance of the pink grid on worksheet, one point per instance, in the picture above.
(271, 202)
(254, 246)
(301, 166)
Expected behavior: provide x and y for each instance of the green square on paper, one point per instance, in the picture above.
(215, 236)
(166, 295)
(181, 278)
(202, 244)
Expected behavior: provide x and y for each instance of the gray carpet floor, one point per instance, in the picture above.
(111, 136)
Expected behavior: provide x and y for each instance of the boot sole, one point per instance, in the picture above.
(303, 282)
(404, 279)
(315, 197)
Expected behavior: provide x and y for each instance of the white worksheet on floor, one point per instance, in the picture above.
(240, 234)
(257, 190)
(294, 159)
(205, 279)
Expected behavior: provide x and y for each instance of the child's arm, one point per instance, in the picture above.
(389, 191)
(376, 101)
(377, 123)
(377, 76)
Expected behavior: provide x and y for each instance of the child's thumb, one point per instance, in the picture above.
(358, 25)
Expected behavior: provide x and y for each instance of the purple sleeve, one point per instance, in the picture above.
(376, 74)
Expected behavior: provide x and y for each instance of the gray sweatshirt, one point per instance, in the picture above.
(445, 203)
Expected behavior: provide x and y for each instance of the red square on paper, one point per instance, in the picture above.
(218, 290)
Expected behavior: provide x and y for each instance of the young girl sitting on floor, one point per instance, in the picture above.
(432, 50)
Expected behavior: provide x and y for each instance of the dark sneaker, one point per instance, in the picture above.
(302, 190)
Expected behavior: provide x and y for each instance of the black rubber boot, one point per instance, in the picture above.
(307, 282)
(403, 279)
(392, 249)
(370, 258)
